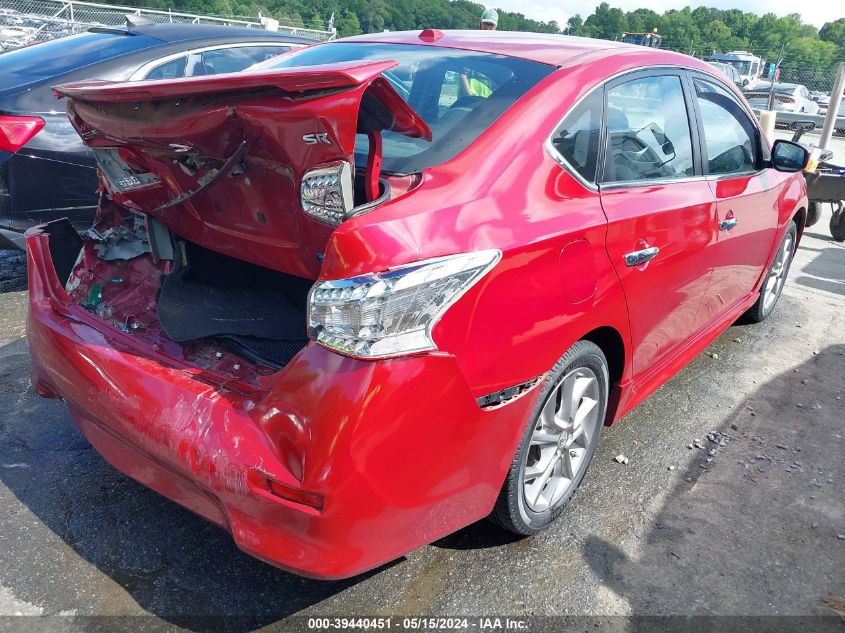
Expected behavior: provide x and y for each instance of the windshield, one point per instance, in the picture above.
(458, 93)
(59, 56)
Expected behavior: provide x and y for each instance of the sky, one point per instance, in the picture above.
(815, 12)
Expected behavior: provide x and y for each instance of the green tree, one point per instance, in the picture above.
(347, 24)
(606, 23)
(834, 32)
(373, 15)
(575, 25)
(642, 21)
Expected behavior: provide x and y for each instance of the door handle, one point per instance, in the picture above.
(635, 258)
(728, 224)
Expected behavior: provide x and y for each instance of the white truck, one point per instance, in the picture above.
(747, 65)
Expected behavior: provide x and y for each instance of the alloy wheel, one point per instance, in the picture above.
(777, 275)
(562, 436)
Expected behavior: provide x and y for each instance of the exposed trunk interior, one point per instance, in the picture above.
(222, 314)
(256, 312)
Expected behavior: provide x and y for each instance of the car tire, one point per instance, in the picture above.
(775, 278)
(559, 442)
(837, 225)
(814, 213)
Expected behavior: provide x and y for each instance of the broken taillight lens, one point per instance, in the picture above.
(326, 192)
(16, 131)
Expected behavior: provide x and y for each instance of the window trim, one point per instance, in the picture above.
(561, 160)
(762, 149)
(140, 73)
(657, 69)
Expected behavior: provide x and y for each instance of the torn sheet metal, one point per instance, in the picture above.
(139, 234)
(126, 241)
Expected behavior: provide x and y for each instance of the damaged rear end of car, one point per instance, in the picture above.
(218, 198)
(197, 347)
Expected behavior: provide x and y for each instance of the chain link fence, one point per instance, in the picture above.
(26, 22)
(798, 90)
(817, 77)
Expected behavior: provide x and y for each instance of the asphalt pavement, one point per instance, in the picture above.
(752, 523)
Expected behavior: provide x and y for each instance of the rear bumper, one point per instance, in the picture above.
(399, 450)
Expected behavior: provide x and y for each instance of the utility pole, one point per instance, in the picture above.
(833, 108)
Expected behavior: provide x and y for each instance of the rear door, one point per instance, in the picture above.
(660, 210)
(746, 195)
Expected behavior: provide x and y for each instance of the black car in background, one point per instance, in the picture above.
(45, 171)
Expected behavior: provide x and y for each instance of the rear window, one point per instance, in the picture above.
(458, 93)
(62, 55)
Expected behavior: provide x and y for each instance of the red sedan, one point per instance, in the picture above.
(375, 290)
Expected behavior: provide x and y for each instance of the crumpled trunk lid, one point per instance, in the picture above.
(220, 159)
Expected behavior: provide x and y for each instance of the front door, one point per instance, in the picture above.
(746, 197)
(660, 211)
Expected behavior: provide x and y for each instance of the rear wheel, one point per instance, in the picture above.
(775, 278)
(559, 442)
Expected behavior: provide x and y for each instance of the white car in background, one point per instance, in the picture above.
(787, 98)
(824, 106)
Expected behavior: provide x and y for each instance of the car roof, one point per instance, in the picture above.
(545, 48)
(167, 32)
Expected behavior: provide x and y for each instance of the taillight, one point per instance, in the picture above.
(16, 131)
(326, 193)
(393, 313)
(785, 99)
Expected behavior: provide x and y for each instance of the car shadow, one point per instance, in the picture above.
(173, 564)
(480, 535)
(752, 528)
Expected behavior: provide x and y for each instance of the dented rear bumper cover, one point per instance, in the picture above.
(326, 424)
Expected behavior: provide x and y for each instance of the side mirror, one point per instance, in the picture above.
(788, 156)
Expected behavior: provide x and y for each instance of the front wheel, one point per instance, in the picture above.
(776, 277)
(559, 442)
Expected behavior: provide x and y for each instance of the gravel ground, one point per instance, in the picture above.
(751, 523)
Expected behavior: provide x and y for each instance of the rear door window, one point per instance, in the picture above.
(648, 131)
(169, 70)
(232, 60)
(215, 61)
